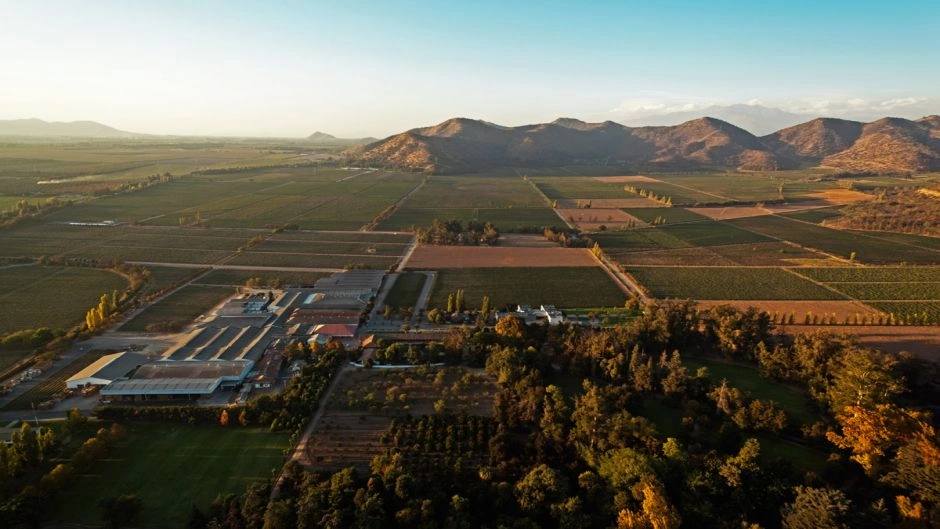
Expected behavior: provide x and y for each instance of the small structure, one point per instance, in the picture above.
(345, 334)
(544, 315)
(106, 370)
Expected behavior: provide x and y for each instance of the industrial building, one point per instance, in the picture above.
(106, 370)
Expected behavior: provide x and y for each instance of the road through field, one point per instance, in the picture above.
(299, 453)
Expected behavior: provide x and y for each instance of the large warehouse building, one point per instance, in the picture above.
(106, 370)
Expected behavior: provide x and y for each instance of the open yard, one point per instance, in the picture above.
(564, 287)
(43, 391)
(51, 296)
(179, 308)
(172, 467)
(366, 400)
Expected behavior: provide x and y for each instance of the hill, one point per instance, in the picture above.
(323, 138)
(458, 145)
(756, 119)
(71, 129)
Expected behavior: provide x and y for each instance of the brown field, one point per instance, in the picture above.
(842, 309)
(593, 218)
(608, 203)
(518, 240)
(625, 179)
(921, 341)
(841, 197)
(439, 257)
(734, 212)
(365, 401)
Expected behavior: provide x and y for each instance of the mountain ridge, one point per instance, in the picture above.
(456, 145)
(35, 127)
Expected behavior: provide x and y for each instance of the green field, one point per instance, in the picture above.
(913, 312)
(747, 187)
(171, 468)
(405, 291)
(182, 306)
(747, 379)
(564, 287)
(568, 187)
(51, 296)
(302, 260)
(727, 283)
(471, 191)
(867, 248)
(163, 277)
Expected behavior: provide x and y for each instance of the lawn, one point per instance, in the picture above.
(728, 283)
(172, 467)
(51, 296)
(405, 291)
(748, 380)
(562, 286)
(182, 306)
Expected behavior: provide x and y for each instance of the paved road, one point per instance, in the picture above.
(422, 304)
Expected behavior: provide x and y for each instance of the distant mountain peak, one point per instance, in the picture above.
(35, 127)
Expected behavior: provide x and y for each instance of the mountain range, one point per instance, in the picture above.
(66, 129)
(458, 145)
(323, 138)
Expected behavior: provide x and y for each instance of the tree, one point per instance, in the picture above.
(223, 418)
(816, 508)
(863, 378)
(540, 488)
(485, 308)
(121, 510)
(450, 303)
(278, 515)
(677, 376)
(872, 433)
(510, 327)
(655, 513)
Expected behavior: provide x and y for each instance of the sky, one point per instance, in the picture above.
(374, 68)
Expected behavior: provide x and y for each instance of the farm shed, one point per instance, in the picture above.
(187, 379)
(106, 370)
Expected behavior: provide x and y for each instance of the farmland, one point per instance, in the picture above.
(240, 277)
(728, 283)
(441, 257)
(179, 308)
(51, 296)
(173, 467)
(365, 402)
(564, 287)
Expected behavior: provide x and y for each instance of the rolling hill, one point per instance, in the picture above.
(322, 138)
(458, 145)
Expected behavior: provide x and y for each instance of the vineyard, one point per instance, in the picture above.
(728, 283)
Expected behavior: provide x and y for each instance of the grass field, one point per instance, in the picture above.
(563, 287)
(51, 296)
(727, 283)
(405, 291)
(44, 390)
(172, 467)
(182, 306)
(747, 379)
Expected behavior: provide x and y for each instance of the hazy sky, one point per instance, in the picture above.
(374, 68)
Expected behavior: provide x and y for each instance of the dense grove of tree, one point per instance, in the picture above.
(556, 456)
(905, 210)
(453, 233)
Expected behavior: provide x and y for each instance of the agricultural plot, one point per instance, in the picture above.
(164, 277)
(867, 248)
(665, 215)
(405, 291)
(171, 468)
(711, 233)
(51, 296)
(797, 311)
(179, 308)
(441, 257)
(564, 287)
(748, 187)
(816, 216)
(581, 188)
(365, 401)
(306, 260)
(909, 294)
(486, 192)
(598, 218)
(728, 283)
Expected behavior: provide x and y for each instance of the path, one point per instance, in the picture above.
(624, 281)
(299, 453)
(422, 304)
